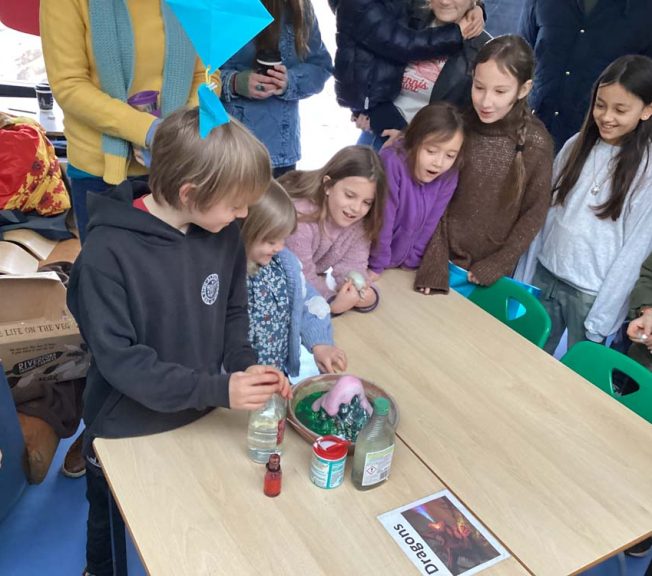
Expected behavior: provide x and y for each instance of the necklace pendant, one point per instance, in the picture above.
(595, 189)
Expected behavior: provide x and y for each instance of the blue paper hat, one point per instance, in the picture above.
(217, 30)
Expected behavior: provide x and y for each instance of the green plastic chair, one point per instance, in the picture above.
(596, 363)
(502, 297)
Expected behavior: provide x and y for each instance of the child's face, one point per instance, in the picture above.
(219, 215)
(262, 252)
(434, 158)
(617, 112)
(447, 11)
(350, 199)
(494, 92)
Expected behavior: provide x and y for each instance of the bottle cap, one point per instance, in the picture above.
(274, 463)
(381, 406)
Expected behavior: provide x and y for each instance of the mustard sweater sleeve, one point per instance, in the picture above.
(67, 50)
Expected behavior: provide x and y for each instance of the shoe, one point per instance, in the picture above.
(641, 549)
(74, 465)
(41, 442)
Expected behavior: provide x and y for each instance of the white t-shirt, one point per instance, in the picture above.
(418, 81)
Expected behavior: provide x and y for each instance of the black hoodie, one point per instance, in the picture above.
(162, 312)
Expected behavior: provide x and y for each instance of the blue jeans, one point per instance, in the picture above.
(79, 188)
(370, 139)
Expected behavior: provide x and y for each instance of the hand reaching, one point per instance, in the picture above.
(329, 359)
(250, 390)
(347, 297)
(640, 329)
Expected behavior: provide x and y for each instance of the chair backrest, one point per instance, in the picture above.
(597, 363)
(500, 299)
(12, 476)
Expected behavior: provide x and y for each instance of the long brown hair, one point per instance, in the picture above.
(300, 15)
(634, 74)
(513, 55)
(437, 122)
(350, 161)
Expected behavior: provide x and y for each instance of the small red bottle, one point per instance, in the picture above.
(273, 476)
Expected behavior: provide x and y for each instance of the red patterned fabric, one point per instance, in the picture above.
(30, 175)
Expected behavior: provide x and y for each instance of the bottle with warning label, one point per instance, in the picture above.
(267, 429)
(374, 449)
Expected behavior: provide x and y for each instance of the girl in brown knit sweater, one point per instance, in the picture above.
(504, 187)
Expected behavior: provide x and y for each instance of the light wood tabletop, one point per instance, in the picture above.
(559, 471)
(194, 506)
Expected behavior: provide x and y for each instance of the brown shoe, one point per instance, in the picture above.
(74, 465)
(41, 443)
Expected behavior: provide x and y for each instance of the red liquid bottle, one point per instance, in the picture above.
(273, 476)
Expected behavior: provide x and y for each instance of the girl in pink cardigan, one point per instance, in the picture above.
(340, 208)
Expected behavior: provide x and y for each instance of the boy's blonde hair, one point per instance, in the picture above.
(271, 218)
(229, 163)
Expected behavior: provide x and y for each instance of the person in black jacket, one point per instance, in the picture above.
(375, 42)
(439, 79)
(573, 41)
(159, 292)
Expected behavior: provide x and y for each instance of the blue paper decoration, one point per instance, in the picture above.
(217, 30)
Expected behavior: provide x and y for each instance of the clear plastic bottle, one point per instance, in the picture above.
(266, 429)
(374, 449)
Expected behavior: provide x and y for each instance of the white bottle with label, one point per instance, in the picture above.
(266, 429)
(374, 449)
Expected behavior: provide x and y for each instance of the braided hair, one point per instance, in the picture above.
(513, 55)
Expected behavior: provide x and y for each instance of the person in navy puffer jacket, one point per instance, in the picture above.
(573, 41)
(375, 40)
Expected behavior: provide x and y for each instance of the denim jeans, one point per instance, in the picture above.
(370, 139)
(102, 510)
(79, 188)
(568, 307)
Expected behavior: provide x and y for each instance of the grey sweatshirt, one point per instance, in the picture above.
(598, 256)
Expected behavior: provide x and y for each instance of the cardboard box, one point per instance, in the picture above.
(39, 338)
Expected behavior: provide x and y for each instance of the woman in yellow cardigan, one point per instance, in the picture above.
(97, 54)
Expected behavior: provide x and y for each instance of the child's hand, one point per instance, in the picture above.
(347, 297)
(285, 389)
(362, 122)
(372, 276)
(472, 23)
(250, 391)
(392, 135)
(640, 329)
(367, 297)
(329, 358)
(471, 278)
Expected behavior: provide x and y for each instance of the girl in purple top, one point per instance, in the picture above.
(422, 177)
(340, 209)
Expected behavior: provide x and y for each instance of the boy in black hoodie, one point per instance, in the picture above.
(159, 293)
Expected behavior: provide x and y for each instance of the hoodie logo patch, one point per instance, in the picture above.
(210, 289)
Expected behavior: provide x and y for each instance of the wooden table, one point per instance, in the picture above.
(194, 505)
(558, 470)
